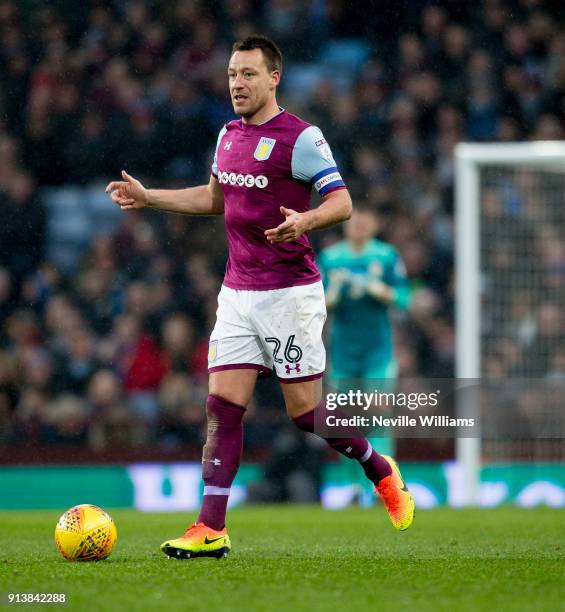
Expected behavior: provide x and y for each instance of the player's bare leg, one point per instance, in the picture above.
(230, 392)
(235, 385)
(302, 399)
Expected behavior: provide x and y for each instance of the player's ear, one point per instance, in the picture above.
(275, 77)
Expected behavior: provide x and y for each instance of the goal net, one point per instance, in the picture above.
(510, 323)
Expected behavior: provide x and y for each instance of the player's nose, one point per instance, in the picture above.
(237, 83)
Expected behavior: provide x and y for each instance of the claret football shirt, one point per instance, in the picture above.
(261, 168)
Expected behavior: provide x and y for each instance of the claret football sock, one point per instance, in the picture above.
(221, 458)
(355, 447)
(375, 466)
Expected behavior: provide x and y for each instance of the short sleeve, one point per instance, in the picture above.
(215, 162)
(312, 161)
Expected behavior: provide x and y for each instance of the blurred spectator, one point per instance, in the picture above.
(22, 231)
(181, 404)
(75, 366)
(64, 420)
(112, 424)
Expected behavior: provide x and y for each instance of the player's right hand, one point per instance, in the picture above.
(339, 276)
(129, 193)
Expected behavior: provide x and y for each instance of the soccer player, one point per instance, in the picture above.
(271, 307)
(363, 278)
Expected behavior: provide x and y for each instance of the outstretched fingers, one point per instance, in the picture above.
(121, 200)
(113, 185)
(281, 239)
(127, 180)
(279, 229)
(281, 234)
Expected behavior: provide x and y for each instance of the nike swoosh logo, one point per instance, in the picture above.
(403, 487)
(207, 541)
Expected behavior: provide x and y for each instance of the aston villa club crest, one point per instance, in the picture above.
(212, 350)
(264, 148)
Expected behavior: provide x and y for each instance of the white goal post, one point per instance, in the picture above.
(470, 159)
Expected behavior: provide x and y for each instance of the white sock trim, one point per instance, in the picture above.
(367, 454)
(210, 490)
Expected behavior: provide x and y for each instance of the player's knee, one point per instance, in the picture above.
(222, 412)
(236, 386)
(297, 409)
(303, 397)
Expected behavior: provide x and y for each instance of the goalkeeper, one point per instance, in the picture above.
(363, 278)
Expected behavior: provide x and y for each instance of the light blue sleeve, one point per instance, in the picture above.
(215, 162)
(312, 161)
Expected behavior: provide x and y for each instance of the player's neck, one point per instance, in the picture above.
(264, 114)
(357, 245)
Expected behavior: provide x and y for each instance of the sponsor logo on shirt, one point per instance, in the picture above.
(242, 180)
(264, 148)
(324, 149)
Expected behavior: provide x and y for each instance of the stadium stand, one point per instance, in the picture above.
(104, 315)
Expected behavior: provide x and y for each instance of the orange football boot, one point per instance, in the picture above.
(397, 499)
(198, 541)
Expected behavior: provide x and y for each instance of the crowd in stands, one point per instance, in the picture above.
(111, 349)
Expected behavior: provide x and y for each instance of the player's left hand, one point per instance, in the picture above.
(292, 228)
(380, 291)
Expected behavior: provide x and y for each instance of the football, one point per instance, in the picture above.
(85, 533)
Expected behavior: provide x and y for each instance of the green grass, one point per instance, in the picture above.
(305, 558)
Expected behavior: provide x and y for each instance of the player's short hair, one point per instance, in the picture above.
(271, 53)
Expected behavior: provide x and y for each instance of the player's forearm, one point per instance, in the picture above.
(387, 294)
(402, 297)
(335, 208)
(192, 201)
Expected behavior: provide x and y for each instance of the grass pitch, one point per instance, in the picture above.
(304, 558)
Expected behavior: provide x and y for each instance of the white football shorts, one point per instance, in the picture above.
(280, 328)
